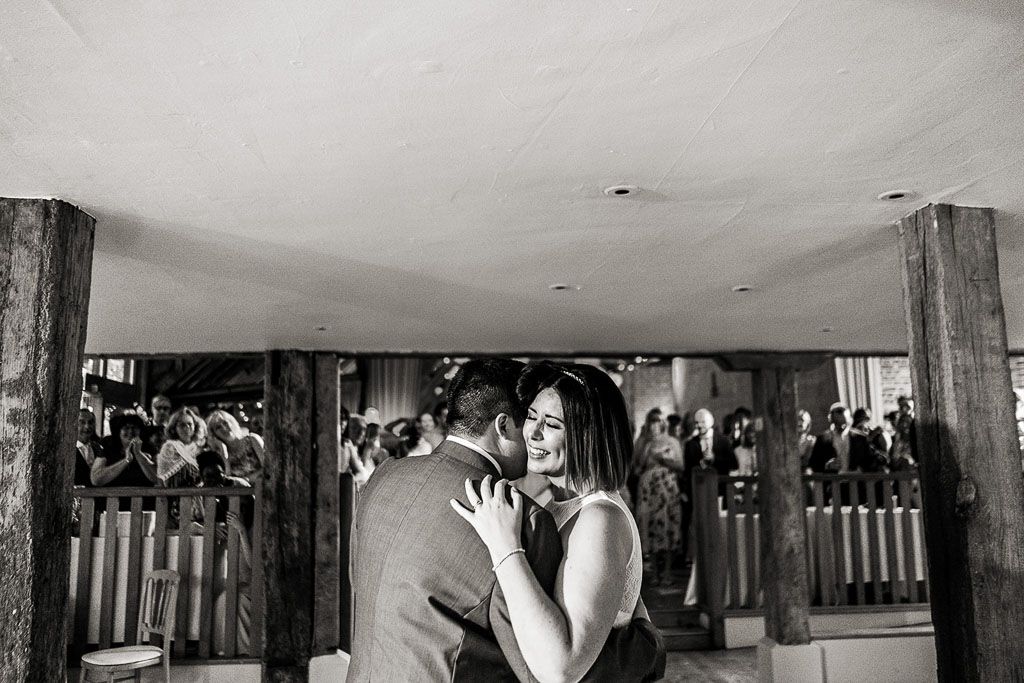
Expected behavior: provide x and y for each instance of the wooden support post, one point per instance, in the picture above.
(347, 517)
(971, 484)
(783, 530)
(301, 512)
(288, 516)
(45, 272)
(326, 615)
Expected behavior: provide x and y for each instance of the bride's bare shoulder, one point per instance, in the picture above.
(604, 527)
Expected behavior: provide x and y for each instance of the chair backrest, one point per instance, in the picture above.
(159, 605)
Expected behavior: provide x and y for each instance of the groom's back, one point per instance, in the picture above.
(424, 608)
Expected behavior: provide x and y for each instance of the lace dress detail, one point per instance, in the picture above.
(564, 511)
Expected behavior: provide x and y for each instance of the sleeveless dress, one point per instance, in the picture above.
(564, 511)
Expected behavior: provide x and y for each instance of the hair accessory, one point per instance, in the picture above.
(573, 374)
(508, 555)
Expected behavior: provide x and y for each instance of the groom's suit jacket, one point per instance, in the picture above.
(427, 605)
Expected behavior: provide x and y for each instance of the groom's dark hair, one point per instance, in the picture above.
(481, 390)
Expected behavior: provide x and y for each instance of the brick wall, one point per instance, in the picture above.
(895, 381)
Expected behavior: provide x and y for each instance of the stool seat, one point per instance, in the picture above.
(123, 658)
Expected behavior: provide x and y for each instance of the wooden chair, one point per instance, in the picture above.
(159, 602)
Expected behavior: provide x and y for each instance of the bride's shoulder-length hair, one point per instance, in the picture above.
(598, 438)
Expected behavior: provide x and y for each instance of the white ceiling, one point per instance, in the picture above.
(413, 175)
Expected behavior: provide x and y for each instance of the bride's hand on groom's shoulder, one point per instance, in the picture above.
(496, 514)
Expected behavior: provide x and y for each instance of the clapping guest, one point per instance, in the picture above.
(244, 452)
(122, 462)
(87, 448)
(176, 462)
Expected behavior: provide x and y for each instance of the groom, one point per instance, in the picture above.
(427, 605)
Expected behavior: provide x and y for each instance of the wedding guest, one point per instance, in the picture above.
(833, 449)
(429, 431)
(659, 508)
(176, 462)
(674, 427)
(346, 449)
(903, 455)
(746, 453)
(372, 451)
(244, 452)
(739, 420)
(653, 425)
(154, 434)
(441, 416)
(705, 450)
(413, 444)
(889, 428)
(87, 448)
(212, 468)
(906, 405)
(805, 440)
(122, 462)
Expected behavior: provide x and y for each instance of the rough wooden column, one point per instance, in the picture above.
(289, 498)
(45, 272)
(971, 484)
(783, 534)
(780, 489)
(328, 572)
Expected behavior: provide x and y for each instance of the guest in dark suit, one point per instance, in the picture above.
(841, 448)
(427, 603)
(844, 449)
(707, 449)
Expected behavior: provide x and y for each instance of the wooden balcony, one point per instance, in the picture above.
(220, 608)
(864, 542)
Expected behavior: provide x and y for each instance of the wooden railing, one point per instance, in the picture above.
(864, 542)
(113, 549)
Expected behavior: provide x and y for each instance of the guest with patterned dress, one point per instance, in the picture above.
(243, 452)
(659, 509)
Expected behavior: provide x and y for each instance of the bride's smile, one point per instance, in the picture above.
(544, 433)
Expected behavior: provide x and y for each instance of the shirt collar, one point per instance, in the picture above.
(473, 447)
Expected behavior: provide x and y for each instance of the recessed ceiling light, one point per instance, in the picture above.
(896, 195)
(562, 287)
(742, 288)
(621, 190)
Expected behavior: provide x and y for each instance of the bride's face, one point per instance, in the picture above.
(544, 432)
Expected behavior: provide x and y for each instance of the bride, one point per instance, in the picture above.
(577, 434)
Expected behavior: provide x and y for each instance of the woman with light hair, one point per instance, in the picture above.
(176, 464)
(243, 452)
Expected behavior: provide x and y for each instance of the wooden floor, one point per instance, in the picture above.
(723, 666)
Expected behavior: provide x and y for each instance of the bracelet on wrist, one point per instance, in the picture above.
(506, 556)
